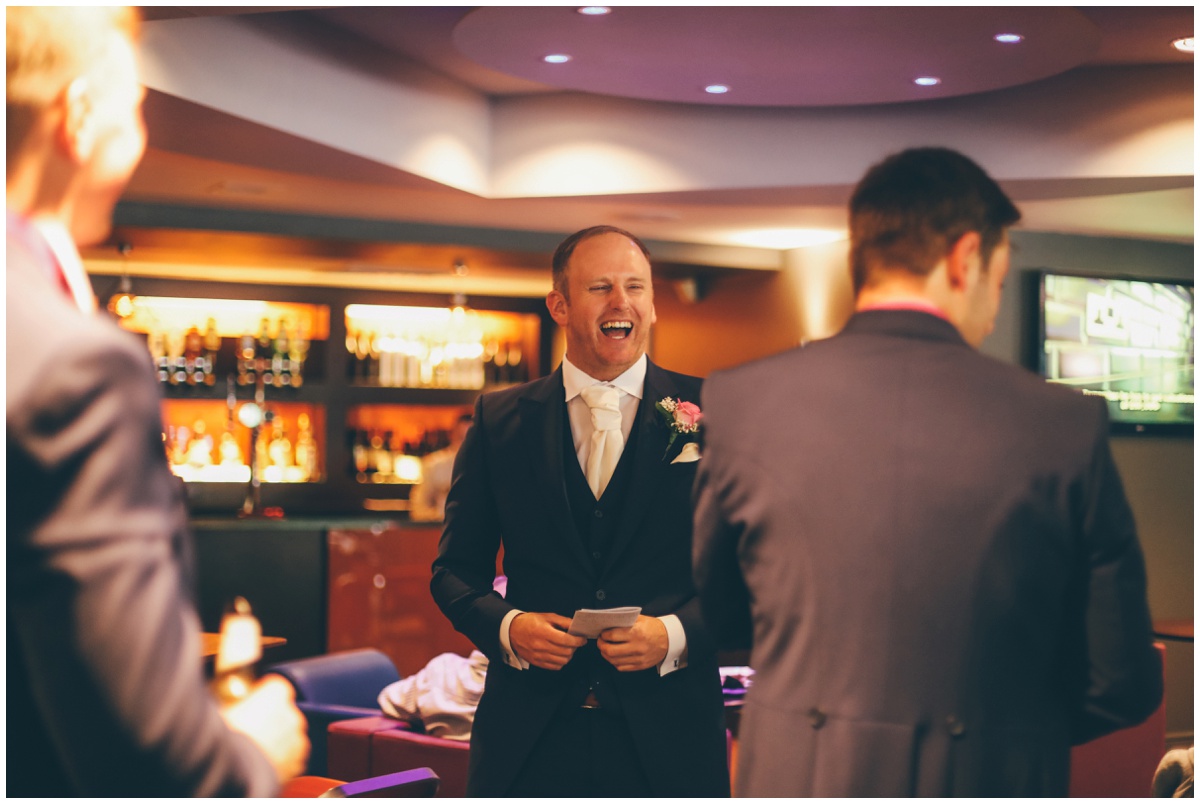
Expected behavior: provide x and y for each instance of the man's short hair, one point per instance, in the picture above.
(562, 254)
(48, 48)
(911, 208)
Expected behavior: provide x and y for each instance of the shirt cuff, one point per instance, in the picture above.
(510, 657)
(676, 645)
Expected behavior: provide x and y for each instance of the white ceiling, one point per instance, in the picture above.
(447, 116)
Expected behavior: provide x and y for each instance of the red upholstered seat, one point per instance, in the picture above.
(372, 746)
(1121, 764)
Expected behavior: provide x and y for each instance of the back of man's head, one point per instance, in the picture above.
(48, 48)
(910, 209)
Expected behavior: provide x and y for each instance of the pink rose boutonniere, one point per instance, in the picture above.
(682, 419)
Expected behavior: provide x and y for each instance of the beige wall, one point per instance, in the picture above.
(743, 317)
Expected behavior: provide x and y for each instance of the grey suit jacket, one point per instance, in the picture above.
(933, 558)
(509, 491)
(106, 695)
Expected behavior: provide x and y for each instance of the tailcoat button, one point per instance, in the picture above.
(600, 594)
(955, 727)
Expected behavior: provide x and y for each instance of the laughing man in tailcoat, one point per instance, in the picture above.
(576, 476)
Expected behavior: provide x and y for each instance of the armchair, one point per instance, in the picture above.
(336, 687)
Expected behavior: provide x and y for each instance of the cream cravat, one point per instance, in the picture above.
(607, 441)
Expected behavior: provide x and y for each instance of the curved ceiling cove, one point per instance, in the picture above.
(779, 56)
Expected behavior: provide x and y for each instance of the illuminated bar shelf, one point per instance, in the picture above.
(375, 363)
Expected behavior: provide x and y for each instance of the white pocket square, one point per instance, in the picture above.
(689, 453)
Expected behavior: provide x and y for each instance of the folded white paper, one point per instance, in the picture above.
(590, 622)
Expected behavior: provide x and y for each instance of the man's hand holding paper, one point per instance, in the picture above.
(541, 639)
(639, 647)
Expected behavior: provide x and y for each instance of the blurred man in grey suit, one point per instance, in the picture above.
(929, 551)
(105, 689)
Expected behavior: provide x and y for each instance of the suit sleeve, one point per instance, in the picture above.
(723, 598)
(99, 609)
(1124, 673)
(465, 567)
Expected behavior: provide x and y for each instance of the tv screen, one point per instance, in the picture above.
(1131, 341)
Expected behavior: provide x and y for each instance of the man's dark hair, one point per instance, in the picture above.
(911, 208)
(562, 254)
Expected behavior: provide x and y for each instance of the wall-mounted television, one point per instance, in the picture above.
(1128, 340)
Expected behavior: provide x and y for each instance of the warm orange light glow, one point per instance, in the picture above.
(233, 317)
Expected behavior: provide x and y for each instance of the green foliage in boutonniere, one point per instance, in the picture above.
(682, 419)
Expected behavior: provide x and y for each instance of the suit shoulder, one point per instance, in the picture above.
(1043, 395)
(758, 368)
(505, 401)
(684, 382)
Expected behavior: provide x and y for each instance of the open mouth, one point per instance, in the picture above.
(617, 330)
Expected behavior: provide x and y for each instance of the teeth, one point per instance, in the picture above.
(617, 325)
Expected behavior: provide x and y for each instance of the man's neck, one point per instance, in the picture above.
(898, 290)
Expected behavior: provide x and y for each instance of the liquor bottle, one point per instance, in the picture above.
(247, 373)
(477, 377)
(501, 361)
(175, 361)
(373, 359)
(157, 343)
(387, 351)
(261, 455)
(381, 460)
(352, 352)
(306, 450)
(281, 364)
(193, 351)
(361, 453)
(239, 650)
(362, 350)
(489, 361)
(263, 351)
(412, 362)
(518, 369)
(229, 453)
(199, 451)
(298, 353)
(280, 449)
(212, 346)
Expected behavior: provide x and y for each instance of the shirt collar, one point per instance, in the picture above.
(63, 247)
(917, 305)
(632, 381)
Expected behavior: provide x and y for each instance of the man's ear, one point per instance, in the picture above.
(963, 254)
(556, 303)
(78, 130)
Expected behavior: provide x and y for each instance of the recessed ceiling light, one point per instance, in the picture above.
(1008, 38)
(927, 81)
(716, 89)
(1186, 44)
(556, 58)
(594, 11)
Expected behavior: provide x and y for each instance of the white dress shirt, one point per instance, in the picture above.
(63, 247)
(631, 385)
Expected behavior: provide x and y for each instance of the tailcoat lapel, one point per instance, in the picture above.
(649, 465)
(542, 412)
